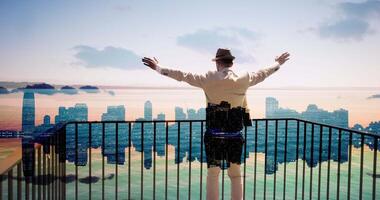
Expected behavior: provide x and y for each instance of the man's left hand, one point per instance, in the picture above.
(283, 58)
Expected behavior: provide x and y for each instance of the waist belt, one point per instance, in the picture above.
(223, 118)
(218, 133)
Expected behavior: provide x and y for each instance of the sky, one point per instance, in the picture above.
(332, 43)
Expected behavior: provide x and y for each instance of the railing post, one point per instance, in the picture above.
(117, 159)
(297, 147)
(374, 167)
(275, 159)
(19, 193)
(201, 162)
(190, 147)
(10, 184)
(154, 160)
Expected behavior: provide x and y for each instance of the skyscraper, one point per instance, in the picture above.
(179, 114)
(160, 116)
(28, 112)
(77, 113)
(148, 111)
(271, 106)
(47, 120)
(114, 113)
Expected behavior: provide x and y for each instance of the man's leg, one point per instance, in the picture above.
(235, 177)
(212, 185)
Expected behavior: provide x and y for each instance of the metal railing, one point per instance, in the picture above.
(283, 158)
(40, 169)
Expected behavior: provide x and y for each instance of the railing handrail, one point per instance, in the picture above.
(203, 120)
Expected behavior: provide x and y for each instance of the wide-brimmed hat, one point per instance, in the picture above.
(223, 54)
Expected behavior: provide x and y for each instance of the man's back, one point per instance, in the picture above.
(223, 85)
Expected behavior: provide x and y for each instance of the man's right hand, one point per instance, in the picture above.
(152, 63)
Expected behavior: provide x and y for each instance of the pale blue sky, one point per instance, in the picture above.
(332, 43)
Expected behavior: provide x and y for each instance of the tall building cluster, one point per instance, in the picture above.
(312, 113)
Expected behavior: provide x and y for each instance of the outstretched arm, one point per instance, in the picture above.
(261, 75)
(192, 79)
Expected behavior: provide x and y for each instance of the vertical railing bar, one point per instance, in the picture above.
(374, 168)
(255, 165)
(190, 146)
(154, 160)
(58, 163)
(285, 152)
(328, 165)
(76, 160)
(58, 167)
(51, 173)
(178, 156)
(245, 160)
(117, 158)
(19, 180)
(320, 161)
(58, 186)
(129, 159)
(10, 184)
(103, 148)
(1, 187)
(275, 158)
(142, 162)
(201, 162)
(48, 175)
(90, 160)
(50, 167)
(297, 155)
(361, 167)
(43, 175)
(304, 160)
(166, 159)
(39, 172)
(33, 183)
(312, 162)
(27, 191)
(64, 165)
(265, 160)
(349, 167)
(339, 157)
(55, 190)
(222, 167)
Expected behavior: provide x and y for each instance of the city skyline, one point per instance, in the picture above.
(117, 113)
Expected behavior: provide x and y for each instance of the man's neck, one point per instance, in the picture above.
(221, 68)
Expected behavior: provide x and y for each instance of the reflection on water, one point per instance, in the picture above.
(313, 148)
(254, 174)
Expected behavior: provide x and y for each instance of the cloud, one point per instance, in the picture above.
(3, 90)
(209, 40)
(354, 29)
(47, 89)
(110, 92)
(122, 8)
(361, 10)
(354, 23)
(375, 96)
(69, 90)
(90, 89)
(113, 57)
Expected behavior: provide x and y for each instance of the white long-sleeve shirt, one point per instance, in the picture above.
(223, 85)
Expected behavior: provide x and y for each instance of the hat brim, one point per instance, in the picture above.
(223, 57)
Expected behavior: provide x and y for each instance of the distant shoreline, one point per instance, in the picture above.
(13, 85)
